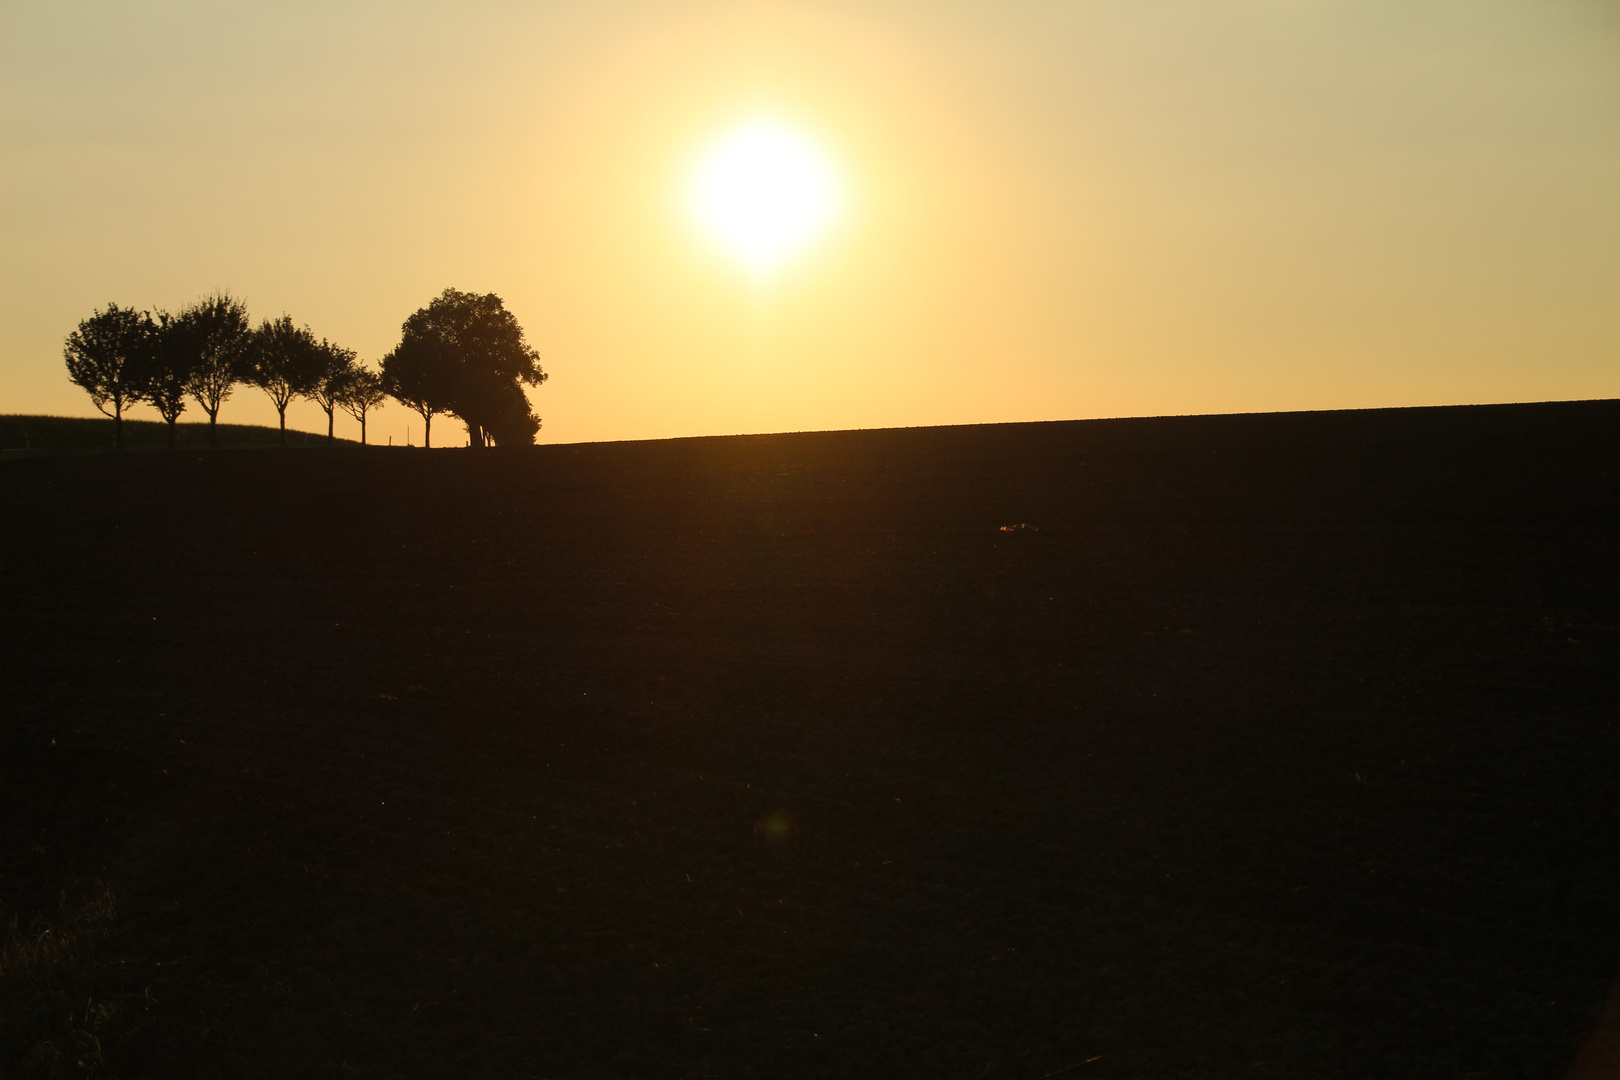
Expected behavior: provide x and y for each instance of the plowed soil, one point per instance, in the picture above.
(1277, 745)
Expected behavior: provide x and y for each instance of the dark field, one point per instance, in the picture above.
(1275, 746)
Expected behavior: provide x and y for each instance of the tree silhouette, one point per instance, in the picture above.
(506, 418)
(165, 372)
(471, 351)
(284, 361)
(335, 366)
(419, 379)
(360, 392)
(105, 356)
(212, 335)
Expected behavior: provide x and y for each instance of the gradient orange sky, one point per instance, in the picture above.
(1053, 209)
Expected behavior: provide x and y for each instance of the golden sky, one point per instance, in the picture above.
(1050, 208)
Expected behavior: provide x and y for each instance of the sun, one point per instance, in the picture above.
(763, 193)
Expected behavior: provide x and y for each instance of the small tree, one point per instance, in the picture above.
(165, 372)
(104, 356)
(213, 336)
(362, 391)
(335, 365)
(284, 361)
(415, 375)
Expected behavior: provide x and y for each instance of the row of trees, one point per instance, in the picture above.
(463, 354)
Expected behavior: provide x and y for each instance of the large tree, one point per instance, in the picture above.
(472, 350)
(213, 335)
(105, 356)
(361, 391)
(335, 365)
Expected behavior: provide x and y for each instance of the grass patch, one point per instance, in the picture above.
(53, 1023)
(56, 434)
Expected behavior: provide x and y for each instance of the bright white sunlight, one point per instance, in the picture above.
(763, 193)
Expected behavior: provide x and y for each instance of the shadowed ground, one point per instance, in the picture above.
(1272, 746)
(56, 434)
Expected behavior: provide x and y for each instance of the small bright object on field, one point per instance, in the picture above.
(763, 193)
(776, 826)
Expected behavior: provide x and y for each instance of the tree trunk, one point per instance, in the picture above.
(427, 431)
(281, 411)
(362, 429)
(213, 435)
(171, 434)
(118, 425)
(329, 440)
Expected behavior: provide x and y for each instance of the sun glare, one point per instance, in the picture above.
(763, 193)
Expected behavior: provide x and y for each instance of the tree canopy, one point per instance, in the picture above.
(333, 369)
(283, 360)
(106, 356)
(360, 391)
(413, 375)
(465, 354)
(165, 371)
(211, 338)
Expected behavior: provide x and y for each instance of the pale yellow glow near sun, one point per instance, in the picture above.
(764, 192)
